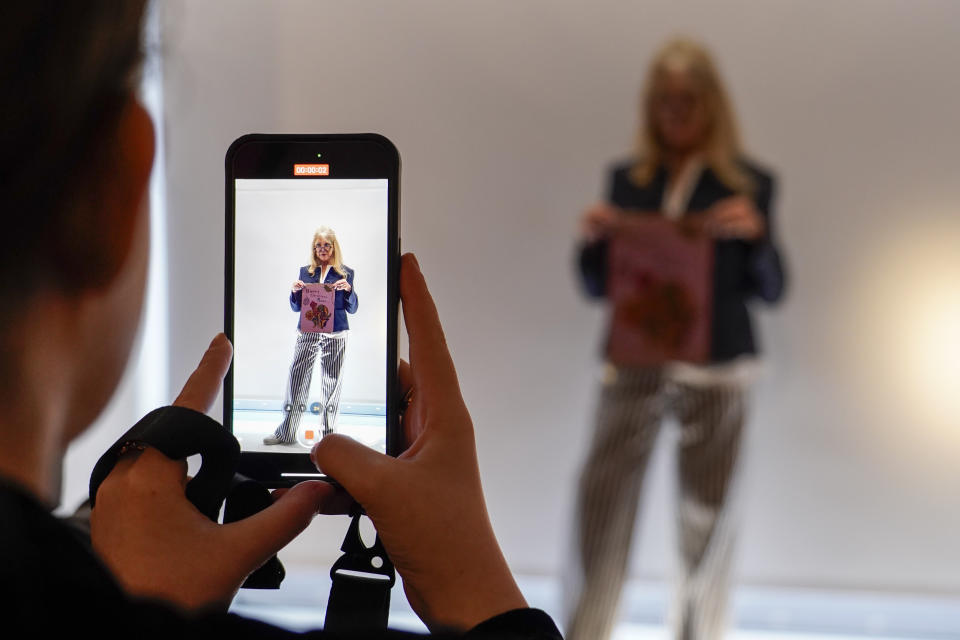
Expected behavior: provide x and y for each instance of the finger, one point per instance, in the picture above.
(719, 227)
(154, 467)
(606, 209)
(410, 416)
(432, 366)
(337, 503)
(264, 533)
(717, 212)
(357, 467)
(732, 230)
(202, 388)
(731, 214)
(122, 466)
(404, 378)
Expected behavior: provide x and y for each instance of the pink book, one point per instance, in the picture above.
(316, 308)
(660, 283)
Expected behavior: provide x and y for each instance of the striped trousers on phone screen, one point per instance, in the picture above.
(330, 347)
(633, 404)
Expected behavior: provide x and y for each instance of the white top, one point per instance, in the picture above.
(676, 196)
(740, 371)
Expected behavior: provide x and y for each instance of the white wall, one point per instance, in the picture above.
(506, 115)
(274, 230)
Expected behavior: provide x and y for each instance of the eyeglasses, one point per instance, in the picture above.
(325, 245)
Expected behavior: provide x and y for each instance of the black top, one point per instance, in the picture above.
(52, 585)
(742, 269)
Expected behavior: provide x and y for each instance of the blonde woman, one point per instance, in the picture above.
(326, 266)
(688, 164)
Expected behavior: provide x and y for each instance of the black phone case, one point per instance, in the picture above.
(365, 155)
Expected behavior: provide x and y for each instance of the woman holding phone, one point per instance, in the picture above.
(74, 261)
(326, 267)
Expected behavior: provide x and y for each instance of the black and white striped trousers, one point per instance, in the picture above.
(331, 348)
(632, 407)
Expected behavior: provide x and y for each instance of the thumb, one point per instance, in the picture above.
(357, 467)
(254, 539)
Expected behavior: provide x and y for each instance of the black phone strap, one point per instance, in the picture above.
(361, 582)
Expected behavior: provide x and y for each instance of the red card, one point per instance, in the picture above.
(660, 283)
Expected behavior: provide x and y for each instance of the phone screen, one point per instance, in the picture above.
(312, 309)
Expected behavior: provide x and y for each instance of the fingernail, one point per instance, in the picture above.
(413, 257)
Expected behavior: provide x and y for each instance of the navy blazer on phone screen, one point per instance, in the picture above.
(345, 302)
(742, 269)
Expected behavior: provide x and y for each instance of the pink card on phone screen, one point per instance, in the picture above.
(316, 308)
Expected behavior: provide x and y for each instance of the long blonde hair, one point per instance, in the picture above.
(337, 262)
(722, 147)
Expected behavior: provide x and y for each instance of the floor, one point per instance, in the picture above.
(251, 425)
(761, 613)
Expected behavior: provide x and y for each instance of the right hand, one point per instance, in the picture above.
(735, 217)
(427, 504)
(299, 284)
(599, 221)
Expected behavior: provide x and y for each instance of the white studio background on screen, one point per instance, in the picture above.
(275, 222)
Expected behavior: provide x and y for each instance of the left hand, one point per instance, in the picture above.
(342, 285)
(735, 217)
(158, 545)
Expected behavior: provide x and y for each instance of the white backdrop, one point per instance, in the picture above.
(275, 221)
(506, 114)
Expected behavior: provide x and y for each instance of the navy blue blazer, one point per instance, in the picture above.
(345, 302)
(742, 270)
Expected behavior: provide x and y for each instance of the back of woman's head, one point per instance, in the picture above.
(67, 69)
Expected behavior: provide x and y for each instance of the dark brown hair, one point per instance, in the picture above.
(67, 69)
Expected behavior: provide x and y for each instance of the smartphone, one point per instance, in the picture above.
(311, 298)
